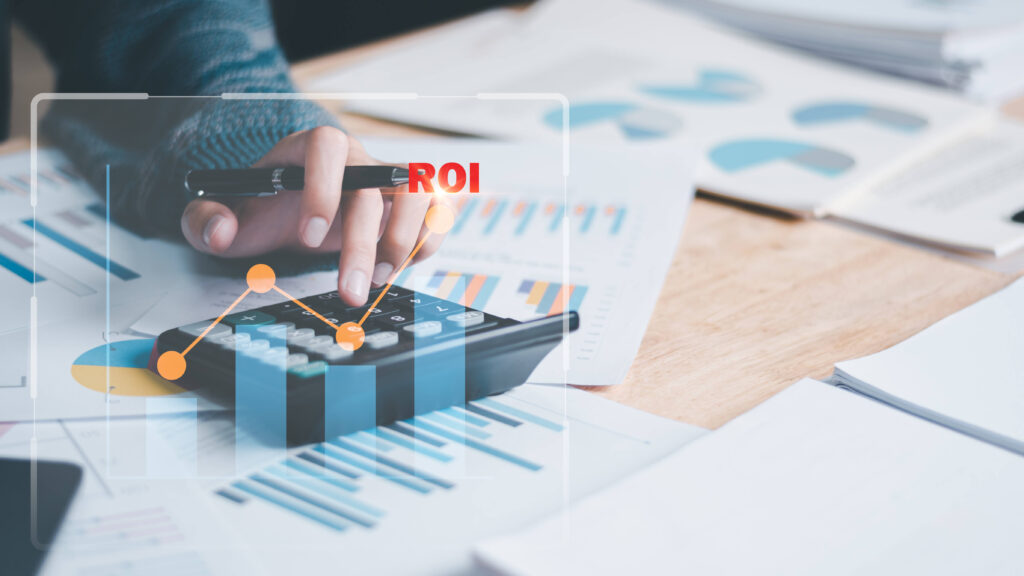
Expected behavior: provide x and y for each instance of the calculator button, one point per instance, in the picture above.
(439, 308)
(232, 341)
(301, 335)
(276, 330)
(197, 329)
(395, 292)
(316, 342)
(333, 353)
(379, 340)
(255, 348)
(466, 319)
(395, 319)
(294, 360)
(416, 300)
(275, 355)
(423, 329)
(250, 318)
(310, 369)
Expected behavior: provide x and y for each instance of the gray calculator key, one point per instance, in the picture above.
(275, 355)
(316, 342)
(256, 348)
(333, 353)
(423, 329)
(301, 335)
(467, 318)
(197, 329)
(379, 340)
(294, 360)
(277, 330)
(232, 341)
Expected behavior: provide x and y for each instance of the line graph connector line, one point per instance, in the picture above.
(171, 365)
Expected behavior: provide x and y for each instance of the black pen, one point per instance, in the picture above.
(269, 181)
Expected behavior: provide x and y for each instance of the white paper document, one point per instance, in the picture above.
(774, 127)
(532, 242)
(964, 371)
(814, 481)
(968, 196)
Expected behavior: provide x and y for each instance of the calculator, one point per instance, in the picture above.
(492, 354)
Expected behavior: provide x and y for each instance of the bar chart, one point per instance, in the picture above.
(517, 218)
(551, 297)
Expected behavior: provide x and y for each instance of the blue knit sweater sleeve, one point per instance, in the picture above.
(164, 48)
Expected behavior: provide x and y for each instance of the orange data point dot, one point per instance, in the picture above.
(261, 278)
(171, 365)
(350, 336)
(440, 219)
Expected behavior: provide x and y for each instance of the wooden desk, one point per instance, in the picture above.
(753, 302)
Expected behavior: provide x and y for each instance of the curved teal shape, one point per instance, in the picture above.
(829, 112)
(713, 86)
(739, 155)
(589, 113)
(123, 354)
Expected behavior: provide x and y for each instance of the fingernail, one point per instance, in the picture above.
(315, 231)
(356, 284)
(381, 272)
(211, 228)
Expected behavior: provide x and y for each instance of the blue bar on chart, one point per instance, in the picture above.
(524, 211)
(556, 212)
(493, 211)
(19, 270)
(473, 290)
(261, 396)
(172, 435)
(85, 252)
(618, 214)
(587, 213)
(465, 210)
(350, 400)
(552, 297)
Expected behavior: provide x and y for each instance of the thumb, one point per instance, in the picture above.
(209, 226)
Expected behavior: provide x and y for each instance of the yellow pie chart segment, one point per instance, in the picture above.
(129, 375)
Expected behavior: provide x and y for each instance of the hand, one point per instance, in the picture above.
(373, 232)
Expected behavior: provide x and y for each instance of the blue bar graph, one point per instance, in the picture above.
(480, 446)
(617, 219)
(261, 399)
(350, 400)
(21, 271)
(576, 298)
(84, 251)
(439, 379)
(524, 217)
(495, 216)
(588, 217)
(521, 414)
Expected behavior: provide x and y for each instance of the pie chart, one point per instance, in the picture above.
(711, 87)
(833, 112)
(739, 155)
(129, 375)
(634, 121)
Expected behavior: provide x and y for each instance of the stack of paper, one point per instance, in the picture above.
(774, 127)
(974, 47)
(813, 481)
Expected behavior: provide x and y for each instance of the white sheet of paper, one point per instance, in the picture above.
(814, 481)
(962, 197)
(965, 368)
(775, 128)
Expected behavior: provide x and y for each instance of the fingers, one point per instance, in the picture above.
(209, 226)
(326, 152)
(360, 213)
(401, 233)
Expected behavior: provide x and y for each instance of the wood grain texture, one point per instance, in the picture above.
(754, 301)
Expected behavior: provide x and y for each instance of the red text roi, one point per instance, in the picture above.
(450, 178)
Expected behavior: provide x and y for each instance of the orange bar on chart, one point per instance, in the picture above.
(472, 289)
(448, 284)
(561, 299)
(488, 208)
(536, 293)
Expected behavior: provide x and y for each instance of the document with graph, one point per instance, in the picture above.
(774, 127)
(191, 493)
(530, 244)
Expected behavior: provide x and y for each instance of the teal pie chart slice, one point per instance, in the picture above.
(739, 155)
(634, 121)
(833, 112)
(712, 87)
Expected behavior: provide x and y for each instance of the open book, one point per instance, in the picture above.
(965, 372)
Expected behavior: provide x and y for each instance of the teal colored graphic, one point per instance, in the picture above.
(831, 112)
(123, 354)
(712, 87)
(742, 154)
(634, 121)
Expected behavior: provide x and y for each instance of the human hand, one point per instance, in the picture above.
(374, 231)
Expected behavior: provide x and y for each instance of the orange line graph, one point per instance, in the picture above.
(171, 365)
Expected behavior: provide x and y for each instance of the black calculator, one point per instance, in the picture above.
(404, 328)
